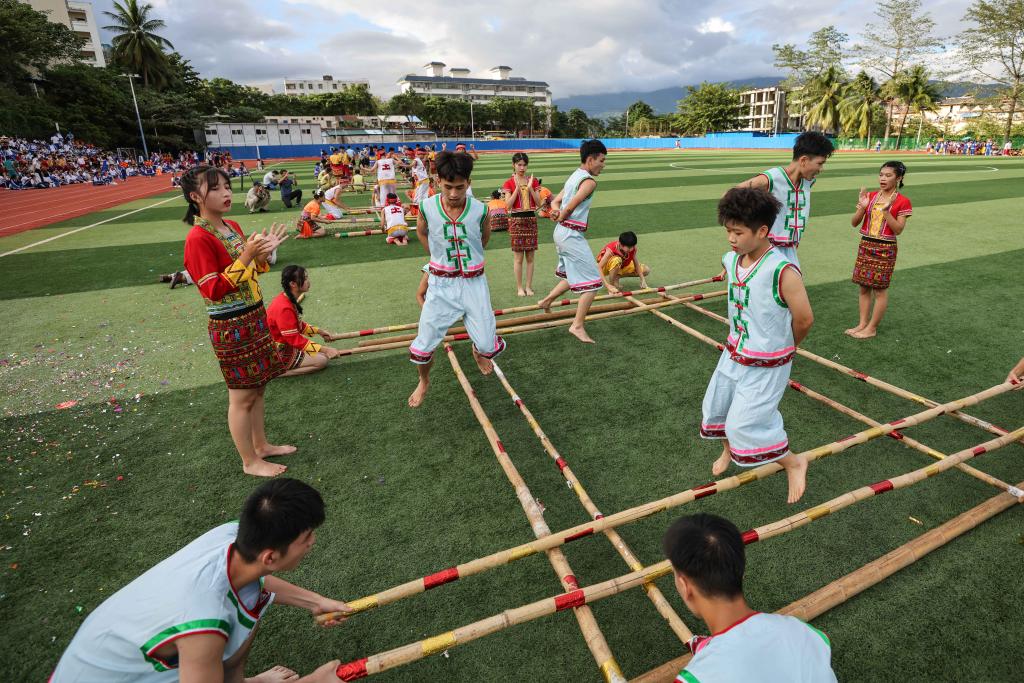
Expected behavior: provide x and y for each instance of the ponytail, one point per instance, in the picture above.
(290, 274)
(193, 181)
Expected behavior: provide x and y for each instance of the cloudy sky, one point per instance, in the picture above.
(579, 47)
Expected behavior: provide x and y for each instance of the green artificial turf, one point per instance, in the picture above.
(412, 492)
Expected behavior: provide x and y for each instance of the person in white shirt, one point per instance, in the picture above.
(707, 556)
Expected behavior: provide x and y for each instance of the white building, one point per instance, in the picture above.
(761, 108)
(262, 134)
(77, 15)
(459, 85)
(309, 86)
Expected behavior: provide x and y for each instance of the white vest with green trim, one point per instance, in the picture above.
(456, 242)
(791, 222)
(760, 323)
(577, 220)
(188, 593)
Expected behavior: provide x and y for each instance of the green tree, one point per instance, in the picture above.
(137, 46)
(94, 103)
(823, 96)
(858, 106)
(709, 107)
(903, 34)
(916, 93)
(825, 48)
(31, 44)
(994, 48)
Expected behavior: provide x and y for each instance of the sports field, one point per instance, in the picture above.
(94, 493)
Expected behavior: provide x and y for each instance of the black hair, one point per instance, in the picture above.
(276, 514)
(290, 274)
(391, 195)
(898, 167)
(453, 165)
(708, 550)
(591, 148)
(520, 156)
(812, 144)
(496, 194)
(628, 239)
(748, 206)
(193, 180)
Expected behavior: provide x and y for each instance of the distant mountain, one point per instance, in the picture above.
(663, 101)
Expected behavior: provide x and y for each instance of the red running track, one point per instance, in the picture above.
(22, 210)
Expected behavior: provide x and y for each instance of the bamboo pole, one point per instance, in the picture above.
(588, 624)
(590, 594)
(533, 307)
(645, 510)
(873, 573)
(874, 381)
(653, 592)
(357, 233)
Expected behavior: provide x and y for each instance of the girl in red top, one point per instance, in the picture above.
(300, 355)
(882, 216)
(225, 265)
(522, 200)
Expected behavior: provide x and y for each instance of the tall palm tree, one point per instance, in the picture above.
(858, 105)
(136, 44)
(916, 92)
(824, 93)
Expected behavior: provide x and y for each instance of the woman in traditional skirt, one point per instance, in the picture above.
(225, 266)
(523, 198)
(882, 216)
(300, 355)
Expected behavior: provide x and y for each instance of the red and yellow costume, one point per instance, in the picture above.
(627, 265)
(522, 219)
(876, 254)
(238, 327)
(289, 331)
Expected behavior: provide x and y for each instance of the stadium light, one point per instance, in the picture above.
(145, 150)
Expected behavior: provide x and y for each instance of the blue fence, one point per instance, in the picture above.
(713, 141)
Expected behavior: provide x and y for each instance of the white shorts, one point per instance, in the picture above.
(742, 405)
(447, 300)
(422, 191)
(576, 262)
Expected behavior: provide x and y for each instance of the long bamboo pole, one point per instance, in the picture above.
(588, 623)
(862, 578)
(533, 307)
(873, 381)
(657, 598)
(590, 594)
(645, 510)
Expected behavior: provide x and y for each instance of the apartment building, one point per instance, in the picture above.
(459, 84)
(309, 86)
(79, 16)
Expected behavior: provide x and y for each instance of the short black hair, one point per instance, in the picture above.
(454, 165)
(276, 514)
(496, 194)
(812, 144)
(628, 239)
(708, 550)
(748, 206)
(591, 148)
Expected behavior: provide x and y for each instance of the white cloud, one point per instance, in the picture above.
(716, 25)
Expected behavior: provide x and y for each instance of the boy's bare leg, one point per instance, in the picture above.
(485, 364)
(722, 464)
(418, 394)
(264, 448)
(795, 465)
(582, 308)
(556, 292)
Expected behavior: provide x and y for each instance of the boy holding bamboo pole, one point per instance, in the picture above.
(769, 315)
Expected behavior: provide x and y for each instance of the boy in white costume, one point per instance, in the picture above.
(791, 186)
(708, 561)
(769, 315)
(455, 230)
(193, 616)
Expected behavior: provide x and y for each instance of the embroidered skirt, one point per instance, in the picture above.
(522, 231)
(875, 263)
(248, 356)
(289, 356)
(499, 222)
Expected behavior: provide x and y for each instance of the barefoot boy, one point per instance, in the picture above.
(791, 185)
(454, 229)
(708, 560)
(619, 259)
(769, 315)
(576, 264)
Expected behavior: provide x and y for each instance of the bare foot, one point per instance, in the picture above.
(485, 364)
(529, 292)
(853, 330)
(581, 334)
(520, 292)
(545, 305)
(866, 333)
(262, 468)
(417, 396)
(270, 450)
(796, 471)
(279, 674)
(722, 464)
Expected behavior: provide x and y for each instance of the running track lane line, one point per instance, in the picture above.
(86, 227)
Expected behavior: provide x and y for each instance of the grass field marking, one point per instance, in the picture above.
(86, 227)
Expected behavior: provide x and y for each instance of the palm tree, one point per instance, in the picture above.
(824, 93)
(916, 92)
(137, 46)
(858, 105)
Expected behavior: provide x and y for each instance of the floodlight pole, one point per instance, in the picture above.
(138, 117)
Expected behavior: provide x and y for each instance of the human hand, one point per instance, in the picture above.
(863, 199)
(333, 607)
(330, 352)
